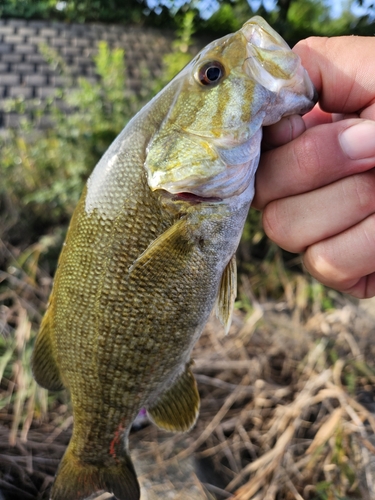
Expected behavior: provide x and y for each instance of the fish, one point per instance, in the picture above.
(150, 252)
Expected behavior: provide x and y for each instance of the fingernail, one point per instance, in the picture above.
(358, 141)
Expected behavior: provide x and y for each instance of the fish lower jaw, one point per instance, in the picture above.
(230, 183)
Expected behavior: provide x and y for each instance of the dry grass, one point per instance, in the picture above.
(299, 429)
(287, 410)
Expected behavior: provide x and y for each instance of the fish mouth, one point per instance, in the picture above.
(231, 182)
(190, 198)
(273, 65)
(260, 34)
(193, 198)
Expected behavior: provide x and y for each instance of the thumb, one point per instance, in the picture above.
(342, 69)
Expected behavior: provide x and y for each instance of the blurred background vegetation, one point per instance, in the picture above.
(42, 173)
(41, 179)
(293, 19)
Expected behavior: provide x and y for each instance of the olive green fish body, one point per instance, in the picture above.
(150, 251)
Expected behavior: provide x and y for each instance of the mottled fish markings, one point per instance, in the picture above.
(150, 252)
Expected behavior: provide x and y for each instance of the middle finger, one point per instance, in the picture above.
(299, 221)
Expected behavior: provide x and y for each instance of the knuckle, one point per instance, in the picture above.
(362, 187)
(369, 232)
(306, 156)
(322, 262)
(311, 43)
(271, 223)
(277, 226)
(308, 49)
(340, 261)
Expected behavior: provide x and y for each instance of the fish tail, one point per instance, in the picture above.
(121, 480)
(77, 480)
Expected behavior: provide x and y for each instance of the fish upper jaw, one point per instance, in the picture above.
(273, 65)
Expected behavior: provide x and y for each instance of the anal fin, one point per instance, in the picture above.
(178, 407)
(45, 369)
(227, 294)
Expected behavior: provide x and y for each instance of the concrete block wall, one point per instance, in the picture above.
(25, 73)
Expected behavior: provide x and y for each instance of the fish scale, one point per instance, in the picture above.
(150, 252)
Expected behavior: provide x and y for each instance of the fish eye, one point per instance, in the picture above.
(210, 73)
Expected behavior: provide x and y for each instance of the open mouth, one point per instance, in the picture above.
(189, 197)
(193, 198)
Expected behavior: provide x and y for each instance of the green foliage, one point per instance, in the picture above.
(278, 274)
(312, 17)
(327, 491)
(180, 55)
(107, 11)
(293, 19)
(44, 173)
(228, 18)
(27, 8)
(131, 11)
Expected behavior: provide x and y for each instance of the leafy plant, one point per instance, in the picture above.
(180, 56)
(44, 173)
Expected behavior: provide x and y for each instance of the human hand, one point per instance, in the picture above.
(316, 183)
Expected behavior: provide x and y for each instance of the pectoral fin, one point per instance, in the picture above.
(45, 369)
(227, 294)
(170, 247)
(177, 409)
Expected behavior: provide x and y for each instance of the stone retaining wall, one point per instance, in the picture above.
(25, 73)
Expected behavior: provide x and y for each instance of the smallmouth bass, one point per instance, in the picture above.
(151, 249)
